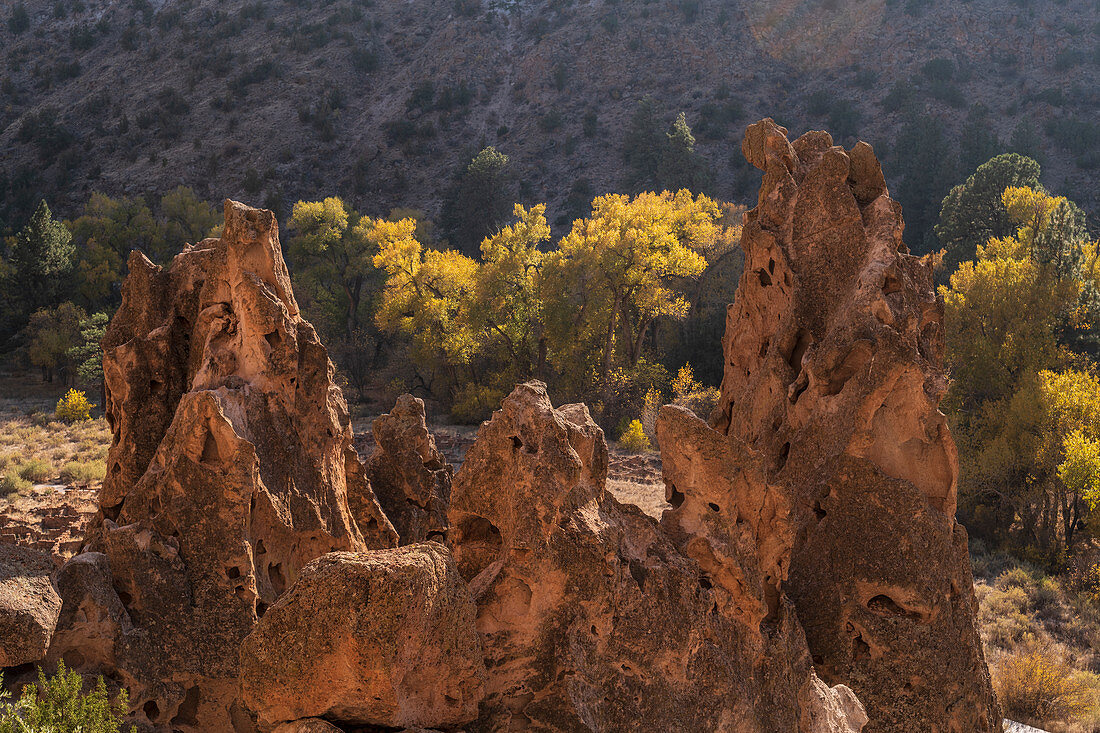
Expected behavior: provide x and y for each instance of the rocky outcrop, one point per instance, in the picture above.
(408, 474)
(231, 468)
(829, 447)
(29, 605)
(593, 618)
(385, 638)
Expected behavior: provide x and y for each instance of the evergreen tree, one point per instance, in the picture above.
(41, 257)
(974, 211)
(680, 166)
(477, 203)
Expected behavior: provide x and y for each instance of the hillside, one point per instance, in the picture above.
(383, 102)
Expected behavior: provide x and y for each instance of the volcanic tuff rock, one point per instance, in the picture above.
(592, 618)
(809, 564)
(833, 379)
(29, 605)
(231, 468)
(409, 475)
(382, 638)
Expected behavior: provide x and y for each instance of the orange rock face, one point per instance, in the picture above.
(408, 474)
(231, 468)
(594, 618)
(829, 447)
(29, 605)
(385, 638)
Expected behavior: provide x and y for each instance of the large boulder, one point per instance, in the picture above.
(383, 638)
(829, 447)
(29, 605)
(231, 468)
(409, 475)
(593, 618)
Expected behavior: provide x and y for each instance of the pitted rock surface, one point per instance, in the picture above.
(231, 468)
(29, 605)
(828, 444)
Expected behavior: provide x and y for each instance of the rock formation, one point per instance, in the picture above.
(595, 619)
(409, 475)
(808, 577)
(231, 468)
(29, 605)
(829, 446)
(384, 638)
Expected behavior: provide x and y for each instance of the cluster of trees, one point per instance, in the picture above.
(599, 314)
(1022, 318)
(61, 280)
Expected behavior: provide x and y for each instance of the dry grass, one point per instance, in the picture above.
(1042, 642)
(36, 449)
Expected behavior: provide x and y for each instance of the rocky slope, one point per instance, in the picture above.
(383, 102)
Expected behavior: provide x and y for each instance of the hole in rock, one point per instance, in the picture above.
(260, 548)
(479, 544)
(860, 649)
(765, 278)
(155, 386)
(151, 710)
(242, 593)
(116, 468)
(273, 339)
(673, 496)
(261, 609)
(704, 582)
(854, 362)
(210, 454)
(275, 575)
(714, 507)
(437, 537)
(764, 348)
(187, 714)
(293, 381)
(821, 513)
(801, 345)
(892, 285)
(639, 573)
(786, 279)
(884, 605)
(126, 598)
(784, 453)
(112, 512)
(771, 266)
(516, 442)
(73, 659)
(594, 632)
(233, 572)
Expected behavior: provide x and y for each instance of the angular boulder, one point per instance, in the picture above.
(408, 474)
(828, 444)
(230, 469)
(592, 617)
(383, 638)
(29, 605)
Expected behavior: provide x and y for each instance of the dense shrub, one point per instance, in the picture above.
(1039, 685)
(58, 704)
(73, 407)
(634, 438)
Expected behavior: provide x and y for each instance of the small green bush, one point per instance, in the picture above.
(11, 482)
(58, 704)
(83, 472)
(36, 471)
